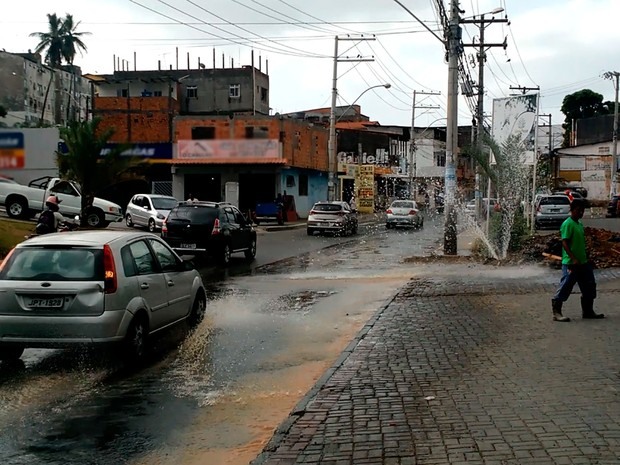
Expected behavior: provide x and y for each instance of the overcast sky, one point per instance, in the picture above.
(560, 45)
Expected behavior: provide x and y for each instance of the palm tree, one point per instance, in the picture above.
(71, 43)
(61, 41)
(84, 164)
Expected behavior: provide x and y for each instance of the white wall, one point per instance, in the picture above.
(40, 145)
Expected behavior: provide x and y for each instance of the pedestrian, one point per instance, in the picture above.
(191, 198)
(353, 204)
(50, 218)
(575, 266)
(569, 194)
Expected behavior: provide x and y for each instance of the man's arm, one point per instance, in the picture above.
(566, 246)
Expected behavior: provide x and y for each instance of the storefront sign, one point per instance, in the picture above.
(365, 186)
(153, 151)
(572, 163)
(229, 149)
(11, 150)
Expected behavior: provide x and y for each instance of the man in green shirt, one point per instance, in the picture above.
(575, 266)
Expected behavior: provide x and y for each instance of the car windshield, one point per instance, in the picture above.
(164, 203)
(194, 214)
(403, 204)
(327, 207)
(54, 264)
(555, 200)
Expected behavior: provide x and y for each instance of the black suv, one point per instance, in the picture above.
(209, 228)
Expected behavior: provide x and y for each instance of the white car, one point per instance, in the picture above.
(92, 288)
(404, 213)
(149, 210)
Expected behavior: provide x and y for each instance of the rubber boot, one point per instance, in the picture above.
(587, 310)
(557, 311)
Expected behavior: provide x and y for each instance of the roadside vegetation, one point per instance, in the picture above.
(12, 232)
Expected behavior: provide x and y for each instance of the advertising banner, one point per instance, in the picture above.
(365, 186)
(516, 116)
(229, 149)
(12, 151)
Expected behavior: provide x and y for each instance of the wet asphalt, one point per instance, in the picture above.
(267, 322)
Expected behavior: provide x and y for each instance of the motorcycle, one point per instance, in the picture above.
(64, 226)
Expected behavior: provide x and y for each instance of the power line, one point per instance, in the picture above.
(256, 10)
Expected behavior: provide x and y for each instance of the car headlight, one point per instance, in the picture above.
(160, 216)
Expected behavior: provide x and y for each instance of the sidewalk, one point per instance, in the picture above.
(467, 368)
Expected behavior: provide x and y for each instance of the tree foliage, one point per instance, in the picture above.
(584, 103)
(61, 41)
(83, 162)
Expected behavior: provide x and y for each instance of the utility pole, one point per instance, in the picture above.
(482, 47)
(332, 143)
(412, 149)
(551, 164)
(524, 89)
(614, 151)
(454, 48)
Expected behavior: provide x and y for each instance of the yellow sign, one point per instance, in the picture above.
(365, 187)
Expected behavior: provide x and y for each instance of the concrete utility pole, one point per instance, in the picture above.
(332, 143)
(454, 44)
(412, 149)
(482, 47)
(614, 151)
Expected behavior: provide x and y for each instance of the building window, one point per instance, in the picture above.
(191, 92)
(234, 91)
(157, 93)
(203, 132)
(122, 92)
(263, 94)
(303, 185)
(290, 181)
(249, 132)
(440, 158)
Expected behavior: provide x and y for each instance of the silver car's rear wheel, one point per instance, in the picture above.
(198, 310)
(136, 339)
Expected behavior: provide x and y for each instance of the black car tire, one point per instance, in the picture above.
(136, 339)
(17, 207)
(225, 253)
(250, 254)
(152, 226)
(199, 308)
(310, 231)
(11, 353)
(128, 221)
(95, 218)
(388, 226)
(354, 230)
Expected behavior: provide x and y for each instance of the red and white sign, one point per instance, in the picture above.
(229, 149)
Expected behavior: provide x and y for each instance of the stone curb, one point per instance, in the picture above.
(300, 407)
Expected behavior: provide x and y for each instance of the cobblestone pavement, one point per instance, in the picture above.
(464, 369)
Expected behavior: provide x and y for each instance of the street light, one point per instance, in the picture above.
(386, 85)
(331, 147)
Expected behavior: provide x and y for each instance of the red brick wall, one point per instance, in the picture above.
(303, 145)
(148, 119)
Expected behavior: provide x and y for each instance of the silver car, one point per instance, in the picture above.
(94, 287)
(149, 210)
(404, 213)
(335, 217)
(551, 210)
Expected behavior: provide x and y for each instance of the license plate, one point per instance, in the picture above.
(55, 302)
(187, 246)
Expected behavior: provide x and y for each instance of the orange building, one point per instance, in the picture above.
(252, 157)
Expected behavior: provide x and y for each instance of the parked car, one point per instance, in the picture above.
(26, 201)
(404, 213)
(613, 207)
(335, 217)
(580, 190)
(93, 288)
(215, 229)
(470, 207)
(149, 210)
(575, 195)
(551, 210)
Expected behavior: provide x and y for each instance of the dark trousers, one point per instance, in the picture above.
(580, 274)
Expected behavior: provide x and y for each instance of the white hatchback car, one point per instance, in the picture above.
(94, 287)
(149, 210)
(404, 213)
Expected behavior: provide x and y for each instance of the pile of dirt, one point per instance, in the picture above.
(603, 247)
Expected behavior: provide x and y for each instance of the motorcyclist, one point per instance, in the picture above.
(52, 206)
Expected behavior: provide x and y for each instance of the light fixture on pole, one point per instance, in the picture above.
(387, 85)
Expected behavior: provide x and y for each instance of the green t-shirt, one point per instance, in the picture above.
(573, 231)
